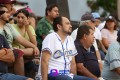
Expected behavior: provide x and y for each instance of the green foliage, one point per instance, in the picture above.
(108, 6)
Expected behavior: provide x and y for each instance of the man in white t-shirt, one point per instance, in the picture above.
(58, 51)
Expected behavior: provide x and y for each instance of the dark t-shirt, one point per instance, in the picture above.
(88, 58)
(3, 44)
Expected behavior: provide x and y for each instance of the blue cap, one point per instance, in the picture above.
(96, 15)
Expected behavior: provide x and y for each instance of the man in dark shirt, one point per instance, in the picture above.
(86, 59)
(7, 56)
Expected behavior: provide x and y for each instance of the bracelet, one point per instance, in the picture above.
(99, 60)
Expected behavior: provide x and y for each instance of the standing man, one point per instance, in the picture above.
(58, 62)
(86, 59)
(44, 26)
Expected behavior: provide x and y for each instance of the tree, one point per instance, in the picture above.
(108, 6)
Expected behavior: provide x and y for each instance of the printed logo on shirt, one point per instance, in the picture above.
(55, 72)
(67, 53)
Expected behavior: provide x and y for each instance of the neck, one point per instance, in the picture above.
(111, 30)
(2, 23)
(49, 19)
(62, 36)
(83, 42)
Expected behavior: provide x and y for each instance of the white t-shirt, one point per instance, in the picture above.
(97, 34)
(111, 37)
(61, 53)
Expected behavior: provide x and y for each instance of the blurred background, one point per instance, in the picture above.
(74, 9)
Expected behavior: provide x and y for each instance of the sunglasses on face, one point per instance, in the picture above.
(2, 12)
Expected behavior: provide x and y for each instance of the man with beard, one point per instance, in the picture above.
(44, 26)
(86, 59)
(11, 34)
(57, 61)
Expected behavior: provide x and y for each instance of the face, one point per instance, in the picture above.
(110, 24)
(21, 18)
(6, 15)
(89, 39)
(54, 12)
(66, 26)
(97, 22)
(9, 6)
(32, 21)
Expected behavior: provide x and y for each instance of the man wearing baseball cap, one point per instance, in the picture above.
(88, 20)
(9, 5)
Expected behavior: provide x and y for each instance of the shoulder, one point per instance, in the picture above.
(50, 36)
(104, 30)
(115, 44)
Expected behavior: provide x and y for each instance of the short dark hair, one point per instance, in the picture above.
(57, 20)
(83, 29)
(49, 8)
(24, 11)
(114, 20)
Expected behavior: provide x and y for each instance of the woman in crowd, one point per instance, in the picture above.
(25, 30)
(109, 32)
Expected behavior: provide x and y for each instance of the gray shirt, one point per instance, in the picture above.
(112, 61)
(10, 33)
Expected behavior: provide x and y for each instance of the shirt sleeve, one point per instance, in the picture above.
(104, 33)
(114, 55)
(14, 32)
(48, 44)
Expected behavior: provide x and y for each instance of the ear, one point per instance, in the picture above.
(84, 36)
(0, 16)
(48, 12)
(58, 26)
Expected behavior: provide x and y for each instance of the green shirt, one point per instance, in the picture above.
(44, 27)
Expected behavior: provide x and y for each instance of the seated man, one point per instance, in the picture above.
(111, 68)
(6, 56)
(86, 59)
(58, 62)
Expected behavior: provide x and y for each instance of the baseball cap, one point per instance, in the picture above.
(110, 18)
(96, 15)
(87, 16)
(6, 1)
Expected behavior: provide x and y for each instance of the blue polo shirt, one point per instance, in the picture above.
(88, 58)
(3, 44)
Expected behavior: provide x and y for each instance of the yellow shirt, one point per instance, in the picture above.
(15, 43)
